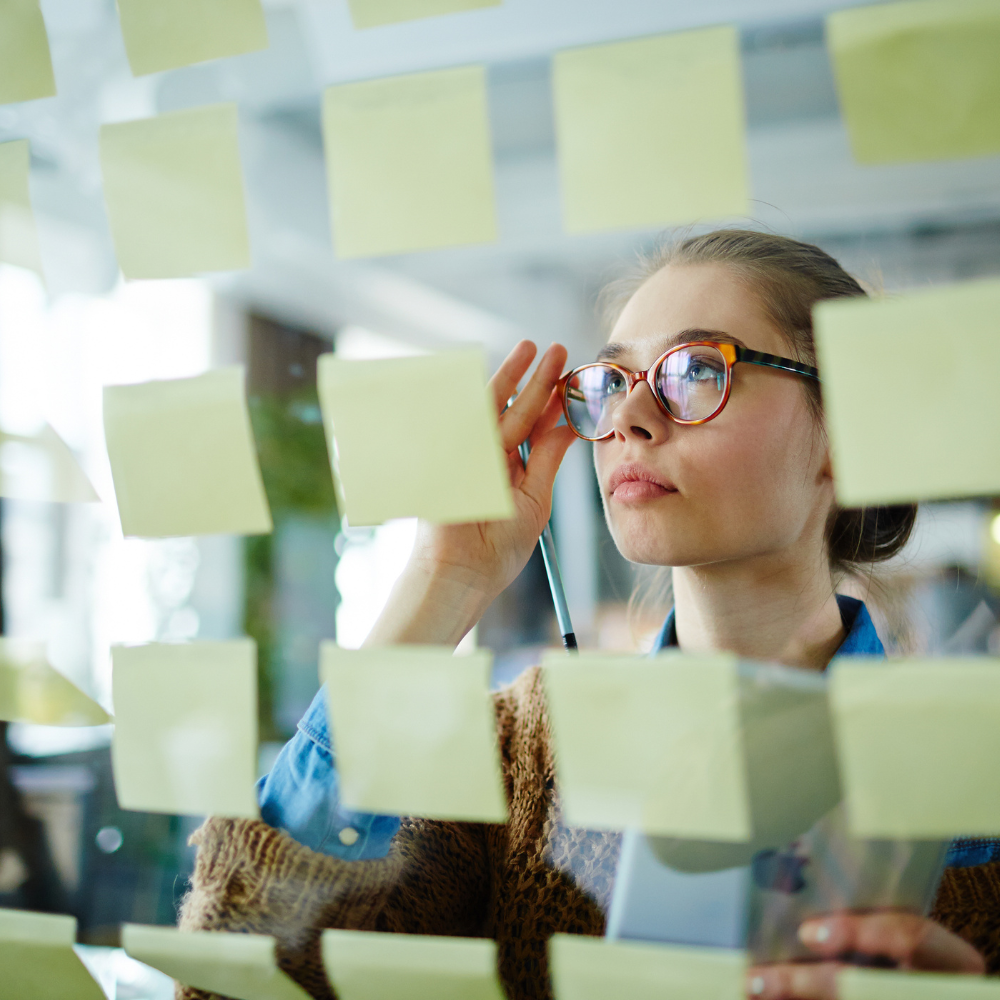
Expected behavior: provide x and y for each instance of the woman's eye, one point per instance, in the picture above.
(614, 384)
(703, 371)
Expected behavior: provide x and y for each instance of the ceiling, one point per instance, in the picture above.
(535, 280)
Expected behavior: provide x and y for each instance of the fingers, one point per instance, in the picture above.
(546, 455)
(911, 940)
(518, 421)
(515, 469)
(794, 981)
(550, 416)
(504, 382)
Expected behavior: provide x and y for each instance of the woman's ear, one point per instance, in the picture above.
(826, 469)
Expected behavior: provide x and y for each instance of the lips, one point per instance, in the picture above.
(635, 482)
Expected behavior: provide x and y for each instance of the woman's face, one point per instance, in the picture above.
(755, 480)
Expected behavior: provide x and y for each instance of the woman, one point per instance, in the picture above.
(726, 479)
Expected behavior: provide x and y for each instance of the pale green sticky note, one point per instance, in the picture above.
(589, 968)
(185, 738)
(371, 13)
(920, 80)
(18, 233)
(912, 737)
(165, 34)
(32, 690)
(37, 961)
(912, 411)
(41, 466)
(409, 163)
(241, 966)
(882, 984)
(25, 62)
(652, 743)
(415, 732)
(651, 132)
(183, 457)
(174, 191)
(379, 966)
(415, 437)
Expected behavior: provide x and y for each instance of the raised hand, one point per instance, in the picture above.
(456, 570)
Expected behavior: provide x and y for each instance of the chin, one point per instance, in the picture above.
(651, 547)
(657, 541)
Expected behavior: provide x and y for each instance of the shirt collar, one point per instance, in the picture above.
(861, 638)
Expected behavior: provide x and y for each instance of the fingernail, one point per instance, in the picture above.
(814, 932)
(756, 986)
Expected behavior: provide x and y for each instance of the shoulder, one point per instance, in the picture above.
(520, 708)
(968, 904)
(523, 694)
(525, 746)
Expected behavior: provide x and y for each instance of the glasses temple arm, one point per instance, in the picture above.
(773, 361)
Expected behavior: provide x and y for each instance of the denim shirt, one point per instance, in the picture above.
(301, 794)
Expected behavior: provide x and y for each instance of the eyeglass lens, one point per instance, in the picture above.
(691, 384)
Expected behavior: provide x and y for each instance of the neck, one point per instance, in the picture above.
(774, 608)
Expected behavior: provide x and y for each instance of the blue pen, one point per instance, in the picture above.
(551, 561)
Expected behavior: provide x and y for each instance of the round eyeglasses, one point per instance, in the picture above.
(691, 383)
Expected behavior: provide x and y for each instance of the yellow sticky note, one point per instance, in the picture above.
(589, 968)
(42, 467)
(18, 233)
(371, 13)
(174, 191)
(165, 34)
(183, 457)
(881, 984)
(377, 966)
(415, 437)
(414, 732)
(920, 80)
(409, 163)
(651, 132)
(652, 743)
(911, 408)
(242, 966)
(31, 690)
(912, 737)
(25, 62)
(37, 960)
(185, 738)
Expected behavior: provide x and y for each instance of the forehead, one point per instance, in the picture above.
(692, 302)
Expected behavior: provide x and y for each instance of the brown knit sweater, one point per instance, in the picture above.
(519, 883)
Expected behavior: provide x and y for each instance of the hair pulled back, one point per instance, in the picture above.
(789, 278)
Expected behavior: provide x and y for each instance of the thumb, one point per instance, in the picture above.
(546, 456)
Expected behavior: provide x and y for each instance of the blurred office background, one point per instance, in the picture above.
(70, 578)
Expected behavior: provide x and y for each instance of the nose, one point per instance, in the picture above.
(638, 417)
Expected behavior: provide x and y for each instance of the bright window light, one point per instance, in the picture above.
(71, 579)
(995, 528)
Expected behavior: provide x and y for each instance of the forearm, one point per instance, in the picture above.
(430, 606)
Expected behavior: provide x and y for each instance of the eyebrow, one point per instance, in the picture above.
(614, 352)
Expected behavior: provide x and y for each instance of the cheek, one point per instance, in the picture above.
(763, 467)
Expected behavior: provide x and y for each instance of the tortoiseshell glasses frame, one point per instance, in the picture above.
(731, 353)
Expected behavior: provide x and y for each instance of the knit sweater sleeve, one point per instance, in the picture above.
(250, 877)
(968, 903)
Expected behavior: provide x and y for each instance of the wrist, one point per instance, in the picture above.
(431, 604)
